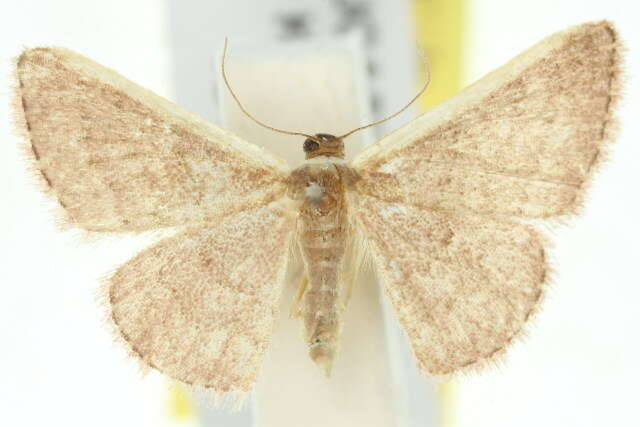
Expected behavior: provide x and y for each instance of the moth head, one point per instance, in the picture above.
(323, 144)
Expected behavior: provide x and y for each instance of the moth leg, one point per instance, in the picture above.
(348, 290)
(294, 310)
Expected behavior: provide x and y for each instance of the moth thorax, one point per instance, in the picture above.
(323, 145)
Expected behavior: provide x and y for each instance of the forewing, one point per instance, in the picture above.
(120, 158)
(462, 287)
(200, 306)
(522, 141)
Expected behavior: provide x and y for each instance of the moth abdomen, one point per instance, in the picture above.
(322, 238)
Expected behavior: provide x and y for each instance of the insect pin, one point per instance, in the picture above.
(441, 206)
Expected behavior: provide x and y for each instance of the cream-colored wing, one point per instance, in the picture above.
(200, 307)
(462, 286)
(522, 141)
(120, 158)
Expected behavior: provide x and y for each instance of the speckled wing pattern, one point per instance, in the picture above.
(462, 286)
(119, 158)
(440, 198)
(200, 306)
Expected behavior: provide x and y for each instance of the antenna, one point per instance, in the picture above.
(235, 98)
(424, 88)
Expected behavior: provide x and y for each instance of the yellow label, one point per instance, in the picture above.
(439, 27)
(180, 408)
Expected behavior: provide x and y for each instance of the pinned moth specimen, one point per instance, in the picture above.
(443, 207)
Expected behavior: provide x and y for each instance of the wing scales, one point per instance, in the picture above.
(522, 141)
(120, 158)
(462, 287)
(200, 306)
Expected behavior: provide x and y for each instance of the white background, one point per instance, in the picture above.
(578, 367)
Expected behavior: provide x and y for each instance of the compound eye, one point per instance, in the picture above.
(310, 145)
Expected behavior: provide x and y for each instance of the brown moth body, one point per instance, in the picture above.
(323, 231)
(443, 206)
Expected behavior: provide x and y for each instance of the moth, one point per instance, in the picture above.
(445, 206)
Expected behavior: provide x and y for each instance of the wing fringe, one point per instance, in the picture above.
(611, 126)
(499, 357)
(21, 128)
